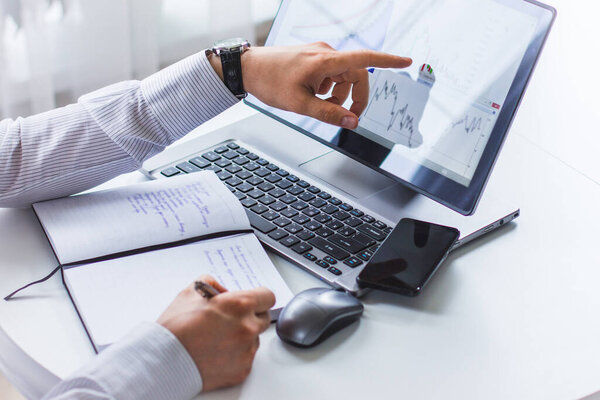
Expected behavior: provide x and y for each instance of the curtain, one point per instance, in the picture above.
(53, 51)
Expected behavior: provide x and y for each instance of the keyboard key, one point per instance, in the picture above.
(318, 203)
(234, 181)
(357, 213)
(324, 195)
(255, 180)
(299, 205)
(301, 219)
(277, 193)
(379, 225)
(295, 190)
(262, 172)
(230, 155)
(346, 207)
(283, 173)
(223, 163)
(347, 231)
(199, 162)
(347, 244)
(353, 262)
(365, 255)
(281, 222)
(241, 160)
(306, 196)
(310, 256)
(294, 228)
(372, 231)
(314, 189)
(289, 241)
(303, 184)
(324, 232)
(335, 225)
(334, 271)
(284, 184)
(322, 264)
(223, 175)
(278, 206)
(329, 248)
(240, 195)
(221, 149)
(232, 190)
(278, 234)
(305, 235)
(252, 156)
(302, 247)
(366, 240)
(293, 178)
(262, 161)
(368, 219)
(290, 213)
(269, 215)
(267, 200)
(255, 193)
(353, 222)
(323, 218)
(242, 151)
(330, 260)
(330, 209)
(288, 199)
(265, 186)
(244, 175)
(341, 215)
(187, 167)
(211, 156)
(273, 178)
(259, 209)
(312, 225)
(252, 166)
(387, 230)
(233, 146)
(233, 169)
(169, 172)
(272, 167)
(335, 201)
(245, 187)
(213, 168)
(249, 203)
(311, 211)
(259, 223)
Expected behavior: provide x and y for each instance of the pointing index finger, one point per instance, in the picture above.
(356, 59)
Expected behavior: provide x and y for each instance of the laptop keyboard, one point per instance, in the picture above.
(284, 209)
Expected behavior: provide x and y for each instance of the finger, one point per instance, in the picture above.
(328, 112)
(360, 59)
(212, 282)
(360, 93)
(340, 93)
(264, 299)
(325, 86)
(263, 320)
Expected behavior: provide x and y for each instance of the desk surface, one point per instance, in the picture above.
(514, 315)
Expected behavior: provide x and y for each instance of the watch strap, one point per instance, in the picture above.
(231, 62)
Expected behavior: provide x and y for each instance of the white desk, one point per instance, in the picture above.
(512, 316)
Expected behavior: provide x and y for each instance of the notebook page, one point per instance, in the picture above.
(114, 296)
(146, 214)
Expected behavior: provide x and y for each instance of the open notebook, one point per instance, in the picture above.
(126, 252)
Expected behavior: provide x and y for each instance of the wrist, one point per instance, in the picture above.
(215, 62)
(247, 60)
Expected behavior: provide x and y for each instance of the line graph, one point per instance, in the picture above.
(470, 124)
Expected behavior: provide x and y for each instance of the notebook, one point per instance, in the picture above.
(127, 252)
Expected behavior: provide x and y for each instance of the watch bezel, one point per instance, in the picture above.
(230, 45)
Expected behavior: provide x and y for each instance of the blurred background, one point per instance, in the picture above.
(53, 51)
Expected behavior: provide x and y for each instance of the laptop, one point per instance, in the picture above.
(325, 197)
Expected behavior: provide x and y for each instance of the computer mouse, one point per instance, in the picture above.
(315, 314)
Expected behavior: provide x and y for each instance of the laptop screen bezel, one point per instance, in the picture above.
(462, 199)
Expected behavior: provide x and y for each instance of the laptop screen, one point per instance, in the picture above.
(438, 125)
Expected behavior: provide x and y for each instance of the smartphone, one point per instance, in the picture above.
(409, 257)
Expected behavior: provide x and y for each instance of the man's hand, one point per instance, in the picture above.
(290, 77)
(221, 334)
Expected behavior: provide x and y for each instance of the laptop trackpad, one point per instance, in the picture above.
(347, 175)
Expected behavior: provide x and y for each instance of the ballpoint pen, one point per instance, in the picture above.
(206, 290)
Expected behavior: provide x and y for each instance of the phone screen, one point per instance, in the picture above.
(408, 258)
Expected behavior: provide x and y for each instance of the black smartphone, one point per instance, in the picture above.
(409, 257)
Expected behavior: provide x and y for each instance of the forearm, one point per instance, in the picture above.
(148, 364)
(107, 133)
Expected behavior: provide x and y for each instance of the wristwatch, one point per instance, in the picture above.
(230, 52)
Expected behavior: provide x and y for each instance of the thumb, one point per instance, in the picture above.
(329, 112)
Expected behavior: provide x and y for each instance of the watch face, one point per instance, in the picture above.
(230, 44)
